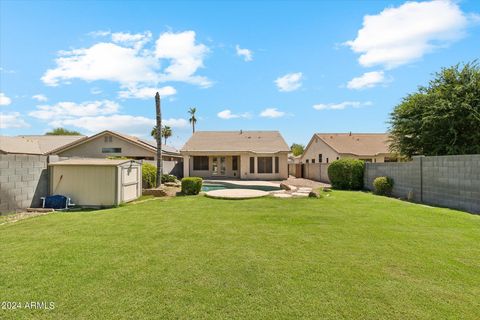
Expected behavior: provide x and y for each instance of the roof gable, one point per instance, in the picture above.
(359, 144)
(252, 141)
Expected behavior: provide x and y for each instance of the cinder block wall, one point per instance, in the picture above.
(23, 180)
(449, 181)
(316, 171)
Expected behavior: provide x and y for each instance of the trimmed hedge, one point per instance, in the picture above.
(149, 175)
(191, 185)
(383, 186)
(346, 174)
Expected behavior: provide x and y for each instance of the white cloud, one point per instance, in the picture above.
(40, 97)
(175, 123)
(289, 82)
(368, 80)
(71, 109)
(146, 93)
(117, 122)
(185, 57)
(341, 105)
(245, 53)
(126, 59)
(404, 34)
(4, 100)
(272, 113)
(123, 123)
(12, 120)
(228, 114)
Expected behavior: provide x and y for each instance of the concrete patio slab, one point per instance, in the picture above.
(300, 194)
(282, 195)
(236, 194)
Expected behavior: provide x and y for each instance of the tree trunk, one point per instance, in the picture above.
(159, 140)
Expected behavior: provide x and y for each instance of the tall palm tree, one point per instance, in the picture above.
(192, 119)
(166, 133)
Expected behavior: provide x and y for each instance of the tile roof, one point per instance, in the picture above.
(253, 141)
(357, 143)
(34, 144)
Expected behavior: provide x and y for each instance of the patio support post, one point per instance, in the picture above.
(186, 166)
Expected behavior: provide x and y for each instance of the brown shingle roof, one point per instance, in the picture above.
(360, 144)
(253, 141)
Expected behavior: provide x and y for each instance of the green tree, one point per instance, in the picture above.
(442, 118)
(165, 133)
(62, 132)
(193, 119)
(297, 149)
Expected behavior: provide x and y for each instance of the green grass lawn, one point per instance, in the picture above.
(351, 255)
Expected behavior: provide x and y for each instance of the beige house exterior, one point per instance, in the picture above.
(113, 144)
(328, 147)
(254, 155)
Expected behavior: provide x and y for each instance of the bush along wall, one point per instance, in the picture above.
(346, 174)
(383, 186)
(191, 185)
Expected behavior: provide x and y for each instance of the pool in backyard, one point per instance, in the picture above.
(212, 186)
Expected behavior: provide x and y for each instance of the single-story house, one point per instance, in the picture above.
(327, 147)
(236, 154)
(34, 144)
(113, 144)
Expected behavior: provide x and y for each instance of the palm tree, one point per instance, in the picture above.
(166, 133)
(192, 119)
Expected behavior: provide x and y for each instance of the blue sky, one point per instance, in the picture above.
(297, 67)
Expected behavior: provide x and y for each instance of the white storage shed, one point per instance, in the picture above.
(96, 182)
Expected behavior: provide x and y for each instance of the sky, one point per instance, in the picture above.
(299, 67)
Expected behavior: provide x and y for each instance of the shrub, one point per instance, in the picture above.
(149, 175)
(346, 174)
(383, 186)
(168, 178)
(191, 185)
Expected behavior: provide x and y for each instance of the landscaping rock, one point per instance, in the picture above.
(285, 186)
(172, 184)
(160, 192)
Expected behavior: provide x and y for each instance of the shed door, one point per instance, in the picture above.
(129, 183)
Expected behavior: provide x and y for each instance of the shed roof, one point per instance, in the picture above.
(90, 162)
(357, 143)
(252, 141)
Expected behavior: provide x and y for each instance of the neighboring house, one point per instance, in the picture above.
(328, 147)
(294, 159)
(236, 154)
(33, 144)
(113, 144)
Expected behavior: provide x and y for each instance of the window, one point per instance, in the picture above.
(252, 165)
(366, 160)
(111, 150)
(234, 163)
(338, 158)
(327, 160)
(108, 139)
(313, 160)
(265, 165)
(320, 158)
(200, 163)
(277, 164)
(307, 161)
